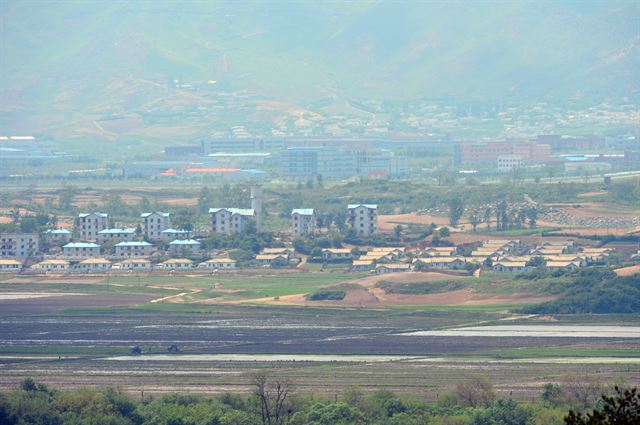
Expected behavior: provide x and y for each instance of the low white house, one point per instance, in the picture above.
(133, 264)
(511, 267)
(392, 268)
(81, 250)
(51, 266)
(288, 252)
(176, 264)
(361, 265)
(10, 266)
(445, 263)
(218, 264)
(562, 265)
(268, 259)
(94, 265)
(337, 254)
(116, 235)
(133, 249)
(439, 251)
(184, 247)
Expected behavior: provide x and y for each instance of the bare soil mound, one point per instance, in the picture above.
(628, 271)
(388, 222)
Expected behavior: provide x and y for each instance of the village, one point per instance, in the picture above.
(94, 246)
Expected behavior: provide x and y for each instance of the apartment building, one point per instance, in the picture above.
(116, 235)
(81, 250)
(487, 154)
(90, 224)
(18, 244)
(154, 223)
(58, 235)
(363, 218)
(303, 221)
(184, 248)
(133, 249)
(173, 234)
(231, 220)
(240, 145)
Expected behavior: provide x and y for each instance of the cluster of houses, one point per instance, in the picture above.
(147, 246)
(500, 256)
(100, 246)
(101, 264)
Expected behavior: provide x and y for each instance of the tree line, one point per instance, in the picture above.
(274, 401)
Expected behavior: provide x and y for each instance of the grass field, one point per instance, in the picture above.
(68, 341)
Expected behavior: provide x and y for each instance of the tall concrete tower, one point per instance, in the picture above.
(256, 203)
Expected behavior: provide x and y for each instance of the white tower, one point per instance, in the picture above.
(256, 203)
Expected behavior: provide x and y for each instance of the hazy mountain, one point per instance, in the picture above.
(117, 57)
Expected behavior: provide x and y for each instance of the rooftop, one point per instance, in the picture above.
(302, 211)
(178, 261)
(81, 245)
(370, 206)
(240, 211)
(95, 261)
(185, 242)
(99, 214)
(116, 231)
(162, 214)
(134, 243)
(176, 231)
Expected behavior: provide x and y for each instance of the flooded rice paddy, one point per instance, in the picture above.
(536, 331)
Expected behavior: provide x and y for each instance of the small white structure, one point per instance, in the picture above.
(81, 250)
(94, 265)
(116, 235)
(133, 249)
(10, 266)
(184, 247)
(176, 264)
(154, 223)
(303, 221)
(218, 264)
(363, 218)
(51, 266)
(337, 254)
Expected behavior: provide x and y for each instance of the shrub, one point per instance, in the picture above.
(327, 294)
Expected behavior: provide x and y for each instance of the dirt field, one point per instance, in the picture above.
(388, 222)
(319, 350)
(628, 271)
(378, 298)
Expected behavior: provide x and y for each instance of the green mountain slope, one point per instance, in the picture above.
(97, 58)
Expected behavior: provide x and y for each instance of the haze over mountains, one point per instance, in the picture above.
(75, 60)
